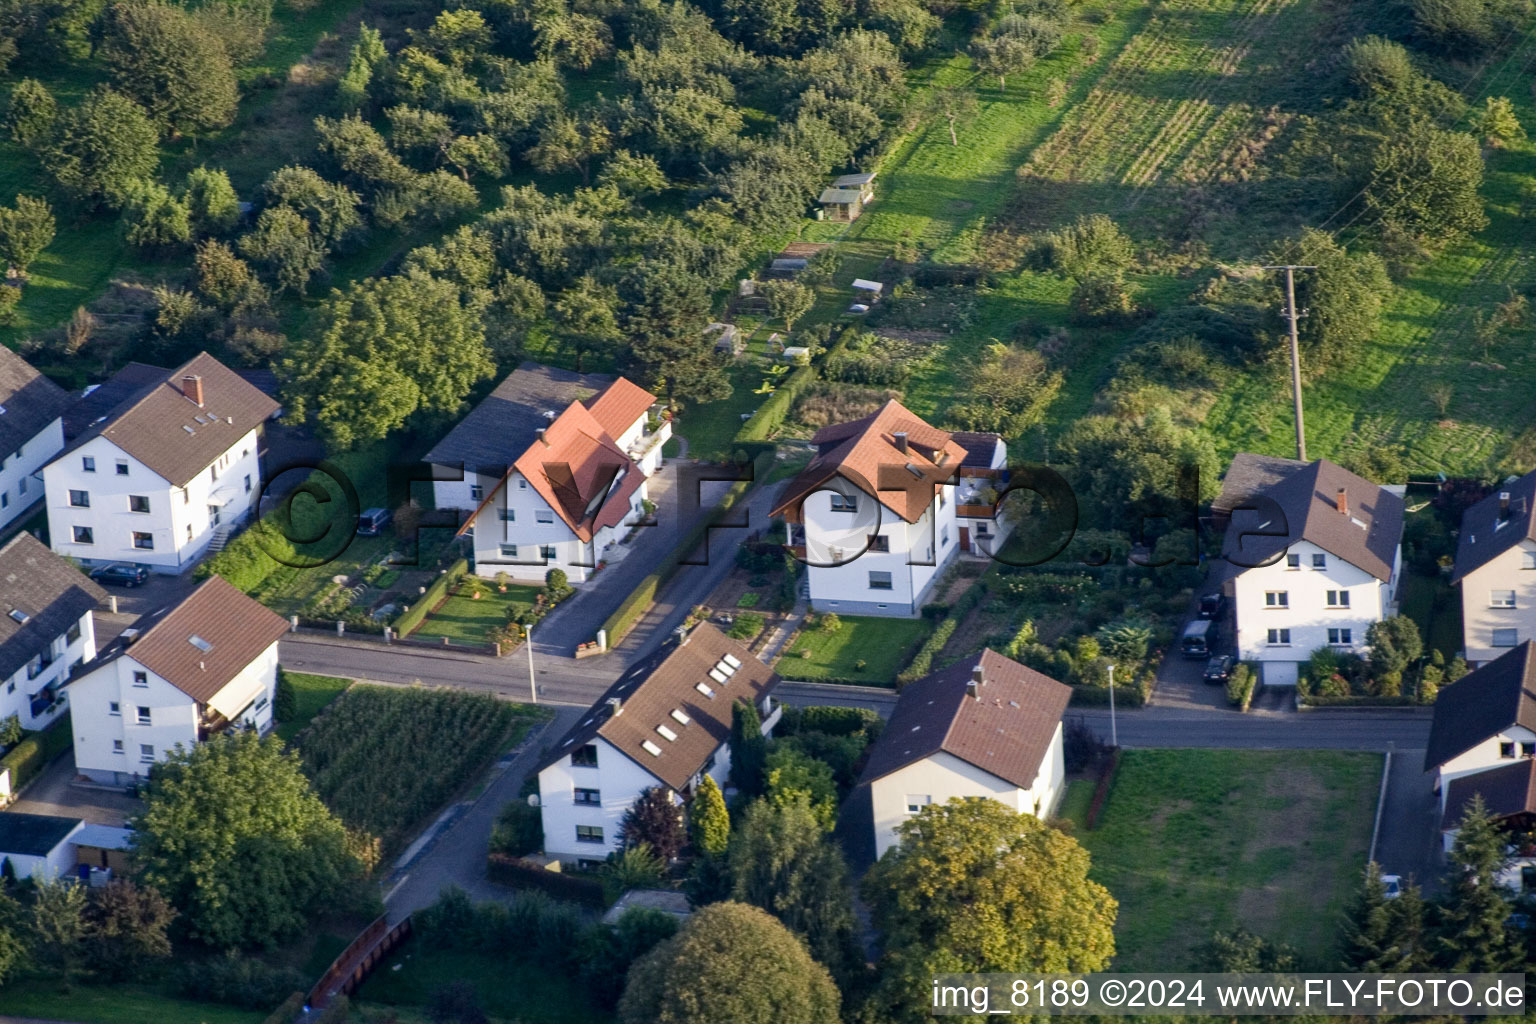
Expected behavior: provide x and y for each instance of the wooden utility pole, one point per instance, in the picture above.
(1292, 314)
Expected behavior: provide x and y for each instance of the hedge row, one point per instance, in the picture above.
(1356, 701)
(643, 596)
(922, 662)
(770, 416)
(520, 874)
(34, 753)
(1241, 686)
(1133, 696)
(409, 619)
(248, 560)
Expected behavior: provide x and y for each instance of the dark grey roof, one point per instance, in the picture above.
(979, 447)
(1486, 533)
(1366, 534)
(33, 835)
(99, 402)
(1506, 791)
(1484, 703)
(502, 426)
(28, 401)
(47, 590)
(1249, 474)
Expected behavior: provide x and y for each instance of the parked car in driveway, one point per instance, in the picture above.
(121, 574)
(1218, 670)
(372, 521)
(1199, 639)
(1212, 605)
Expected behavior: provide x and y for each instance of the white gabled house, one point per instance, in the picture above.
(874, 513)
(572, 491)
(1315, 560)
(175, 678)
(667, 724)
(984, 727)
(154, 479)
(983, 478)
(1496, 570)
(31, 433)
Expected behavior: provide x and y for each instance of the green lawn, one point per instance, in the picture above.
(1435, 605)
(467, 620)
(884, 645)
(313, 693)
(115, 1004)
(1076, 801)
(1196, 841)
(524, 990)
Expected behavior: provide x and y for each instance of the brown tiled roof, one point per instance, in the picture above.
(864, 453)
(1366, 535)
(650, 695)
(234, 628)
(1506, 791)
(171, 434)
(1485, 534)
(28, 401)
(101, 400)
(50, 592)
(1251, 474)
(1007, 732)
(620, 404)
(1483, 703)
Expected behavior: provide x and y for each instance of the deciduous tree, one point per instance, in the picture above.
(788, 300)
(26, 229)
(127, 926)
(654, 820)
(32, 113)
(212, 204)
(163, 57)
(102, 148)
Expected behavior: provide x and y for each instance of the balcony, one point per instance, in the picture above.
(209, 724)
(971, 511)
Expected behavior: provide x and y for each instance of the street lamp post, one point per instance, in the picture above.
(533, 694)
(1114, 733)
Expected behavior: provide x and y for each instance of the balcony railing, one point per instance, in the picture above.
(975, 511)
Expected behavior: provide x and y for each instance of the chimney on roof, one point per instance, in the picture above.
(192, 387)
(1343, 502)
(900, 440)
(1503, 504)
(540, 432)
(617, 704)
(973, 688)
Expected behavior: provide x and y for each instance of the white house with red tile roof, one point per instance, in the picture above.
(573, 491)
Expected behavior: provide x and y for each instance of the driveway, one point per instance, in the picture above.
(1409, 841)
(52, 793)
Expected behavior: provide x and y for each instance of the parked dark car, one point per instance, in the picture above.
(1212, 605)
(121, 574)
(373, 521)
(1217, 670)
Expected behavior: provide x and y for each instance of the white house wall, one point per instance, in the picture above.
(529, 535)
(618, 780)
(56, 863)
(1484, 756)
(833, 536)
(1478, 615)
(181, 520)
(938, 778)
(21, 480)
(16, 690)
(1307, 614)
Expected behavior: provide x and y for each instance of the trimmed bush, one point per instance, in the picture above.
(520, 874)
(412, 617)
(746, 626)
(1240, 686)
(33, 754)
(247, 560)
(238, 980)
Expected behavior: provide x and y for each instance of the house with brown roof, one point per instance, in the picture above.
(168, 470)
(31, 433)
(576, 484)
(1496, 570)
(873, 514)
(984, 727)
(176, 677)
(666, 722)
(1315, 558)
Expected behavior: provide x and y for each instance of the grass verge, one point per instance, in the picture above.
(521, 989)
(312, 694)
(116, 1004)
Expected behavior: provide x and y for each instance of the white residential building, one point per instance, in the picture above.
(172, 680)
(667, 727)
(873, 514)
(31, 433)
(155, 479)
(983, 478)
(45, 631)
(1496, 571)
(47, 846)
(1317, 558)
(987, 727)
(572, 492)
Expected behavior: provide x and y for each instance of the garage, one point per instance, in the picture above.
(1279, 673)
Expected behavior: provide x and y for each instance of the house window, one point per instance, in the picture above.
(143, 715)
(247, 483)
(83, 535)
(1506, 750)
(114, 708)
(917, 803)
(5, 499)
(543, 515)
(141, 679)
(509, 551)
(880, 543)
(845, 503)
(1507, 637)
(1277, 599)
(1319, 561)
(509, 515)
(146, 753)
(1293, 561)
(584, 757)
(117, 746)
(1341, 637)
(943, 536)
(879, 581)
(189, 533)
(79, 499)
(138, 503)
(87, 464)
(72, 634)
(589, 833)
(522, 484)
(21, 486)
(476, 492)
(122, 467)
(1338, 599)
(1528, 750)
(144, 541)
(1279, 638)
(981, 529)
(1501, 598)
(588, 796)
(547, 551)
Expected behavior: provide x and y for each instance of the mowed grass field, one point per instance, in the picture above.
(1192, 842)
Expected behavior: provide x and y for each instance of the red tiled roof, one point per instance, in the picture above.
(619, 405)
(864, 453)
